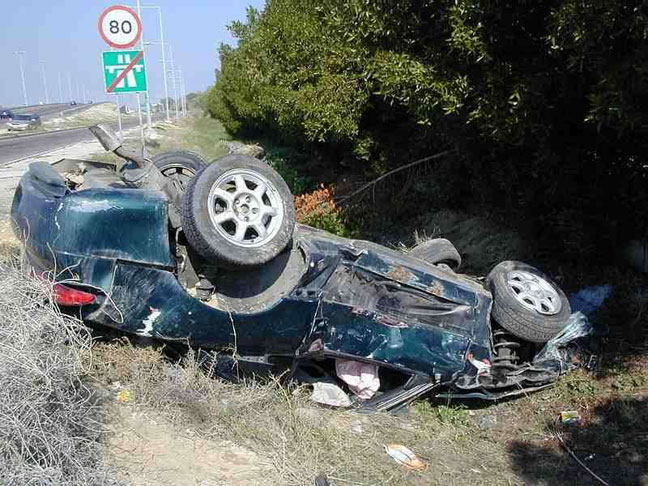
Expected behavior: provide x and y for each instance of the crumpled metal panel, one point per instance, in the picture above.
(157, 306)
(110, 223)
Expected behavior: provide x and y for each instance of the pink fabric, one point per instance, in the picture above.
(362, 378)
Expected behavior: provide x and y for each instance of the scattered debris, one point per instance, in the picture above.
(239, 148)
(405, 457)
(329, 394)
(125, 396)
(571, 417)
(362, 378)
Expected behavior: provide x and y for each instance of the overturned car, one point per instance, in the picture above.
(209, 256)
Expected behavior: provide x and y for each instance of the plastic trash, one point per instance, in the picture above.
(405, 457)
(330, 394)
(590, 299)
(362, 378)
(124, 396)
(555, 355)
(570, 417)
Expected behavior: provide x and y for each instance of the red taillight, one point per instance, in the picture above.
(67, 296)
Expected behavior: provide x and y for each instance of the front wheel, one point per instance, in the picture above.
(526, 302)
(238, 211)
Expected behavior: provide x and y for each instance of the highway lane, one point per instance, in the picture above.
(52, 110)
(16, 148)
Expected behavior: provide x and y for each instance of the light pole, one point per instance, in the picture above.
(163, 44)
(20, 55)
(69, 87)
(183, 93)
(60, 88)
(148, 103)
(173, 79)
(42, 63)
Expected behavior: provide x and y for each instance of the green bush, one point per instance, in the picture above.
(544, 101)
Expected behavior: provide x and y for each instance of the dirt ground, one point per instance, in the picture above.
(145, 449)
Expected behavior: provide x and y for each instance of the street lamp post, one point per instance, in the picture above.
(69, 87)
(22, 74)
(42, 63)
(60, 88)
(183, 93)
(173, 79)
(148, 102)
(163, 44)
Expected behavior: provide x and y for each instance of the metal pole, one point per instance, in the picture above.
(173, 79)
(183, 93)
(22, 74)
(42, 63)
(78, 93)
(164, 69)
(139, 106)
(60, 88)
(141, 41)
(85, 98)
(69, 87)
(119, 120)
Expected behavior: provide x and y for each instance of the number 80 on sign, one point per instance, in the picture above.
(120, 26)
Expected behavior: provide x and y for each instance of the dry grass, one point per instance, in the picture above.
(50, 420)
(299, 439)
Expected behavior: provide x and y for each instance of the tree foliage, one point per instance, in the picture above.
(545, 101)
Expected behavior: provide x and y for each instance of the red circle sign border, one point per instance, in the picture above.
(133, 13)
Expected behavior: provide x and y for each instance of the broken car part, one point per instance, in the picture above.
(298, 302)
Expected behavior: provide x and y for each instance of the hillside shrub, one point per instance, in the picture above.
(545, 102)
(318, 209)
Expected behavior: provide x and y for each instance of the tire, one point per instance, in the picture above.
(535, 317)
(180, 166)
(436, 251)
(220, 198)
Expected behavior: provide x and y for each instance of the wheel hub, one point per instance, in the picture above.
(245, 207)
(534, 292)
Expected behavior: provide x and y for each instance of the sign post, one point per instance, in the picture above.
(124, 70)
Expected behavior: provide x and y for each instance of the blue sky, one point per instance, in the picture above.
(63, 34)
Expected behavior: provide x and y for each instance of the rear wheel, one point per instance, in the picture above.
(526, 302)
(437, 251)
(238, 211)
(179, 166)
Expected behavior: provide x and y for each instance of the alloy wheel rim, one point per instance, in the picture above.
(178, 175)
(534, 292)
(245, 208)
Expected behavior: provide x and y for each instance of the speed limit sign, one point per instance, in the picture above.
(120, 26)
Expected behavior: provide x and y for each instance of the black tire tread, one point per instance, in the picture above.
(515, 318)
(193, 159)
(437, 250)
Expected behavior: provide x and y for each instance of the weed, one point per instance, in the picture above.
(318, 209)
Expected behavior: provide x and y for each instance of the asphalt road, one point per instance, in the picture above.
(17, 148)
(52, 110)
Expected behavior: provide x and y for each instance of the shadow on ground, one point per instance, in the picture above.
(612, 442)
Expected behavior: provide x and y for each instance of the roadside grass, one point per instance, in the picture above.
(199, 133)
(299, 439)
